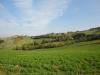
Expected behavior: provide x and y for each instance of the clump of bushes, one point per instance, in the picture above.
(78, 37)
(57, 40)
(37, 45)
(1, 41)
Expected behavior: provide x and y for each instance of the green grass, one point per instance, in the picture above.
(77, 59)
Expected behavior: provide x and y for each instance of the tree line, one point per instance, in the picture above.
(57, 40)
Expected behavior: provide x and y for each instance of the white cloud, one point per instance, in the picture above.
(43, 14)
(35, 19)
(8, 23)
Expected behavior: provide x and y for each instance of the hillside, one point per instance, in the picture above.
(92, 31)
(78, 59)
(71, 53)
(51, 40)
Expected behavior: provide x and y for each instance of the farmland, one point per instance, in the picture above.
(49, 37)
(77, 59)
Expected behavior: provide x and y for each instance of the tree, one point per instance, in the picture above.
(36, 43)
(78, 37)
(1, 41)
(93, 37)
(44, 41)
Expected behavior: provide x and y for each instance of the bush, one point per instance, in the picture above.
(78, 37)
(45, 41)
(1, 41)
(52, 45)
(91, 37)
(35, 43)
(25, 47)
(19, 48)
(28, 46)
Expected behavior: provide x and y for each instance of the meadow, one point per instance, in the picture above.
(77, 59)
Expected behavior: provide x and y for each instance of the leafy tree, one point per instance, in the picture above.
(36, 43)
(93, 37)
(1, 41)
(79, 37)
(45, 41)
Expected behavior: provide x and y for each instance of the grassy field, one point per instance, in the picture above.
(77, 59)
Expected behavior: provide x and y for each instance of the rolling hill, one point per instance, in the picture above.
(51, 40)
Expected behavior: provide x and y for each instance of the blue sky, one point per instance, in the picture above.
(35, 17)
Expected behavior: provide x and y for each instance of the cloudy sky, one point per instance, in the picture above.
(35, 17)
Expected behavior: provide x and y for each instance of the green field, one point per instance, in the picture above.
(77, 59)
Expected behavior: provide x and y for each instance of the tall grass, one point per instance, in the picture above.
(77, 59)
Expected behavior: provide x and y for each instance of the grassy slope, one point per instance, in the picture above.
(92, 31)
(77, 59)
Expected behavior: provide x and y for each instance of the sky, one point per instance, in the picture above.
(36, 17)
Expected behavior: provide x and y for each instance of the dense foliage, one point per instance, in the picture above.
(59, 39)
(1, 41)
(51, 40)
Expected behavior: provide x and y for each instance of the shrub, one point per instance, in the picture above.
(1, 41)
(91, 37)
(78, 37)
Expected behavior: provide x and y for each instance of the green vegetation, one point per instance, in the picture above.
(72, 53)
(77, 59)
(52, 40)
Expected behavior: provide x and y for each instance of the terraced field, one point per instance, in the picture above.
(77, 59)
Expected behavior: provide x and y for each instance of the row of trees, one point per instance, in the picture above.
(58, 40)
(37, 45)
(78, 37)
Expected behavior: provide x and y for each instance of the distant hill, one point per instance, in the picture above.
(92, 31)
(49, 40)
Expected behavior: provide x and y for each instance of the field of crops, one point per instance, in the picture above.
(77, 59)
